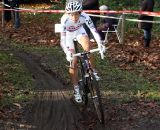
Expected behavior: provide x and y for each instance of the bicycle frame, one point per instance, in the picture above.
(84, 59)
(88, 82)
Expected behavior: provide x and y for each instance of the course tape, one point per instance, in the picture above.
(126, 12)
(157, 14)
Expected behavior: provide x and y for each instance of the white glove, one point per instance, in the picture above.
(69, 56)
(102, 48)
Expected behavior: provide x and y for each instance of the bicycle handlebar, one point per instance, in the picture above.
(91, 51)
(102, 54)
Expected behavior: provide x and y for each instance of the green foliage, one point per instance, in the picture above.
(126, 3)
(125, 85)
(117, 84)
(55, 59)
(15, 80)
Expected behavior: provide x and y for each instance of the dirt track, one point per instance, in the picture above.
(53, 109)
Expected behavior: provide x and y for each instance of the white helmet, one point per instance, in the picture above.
(73, 6)
(103, 7)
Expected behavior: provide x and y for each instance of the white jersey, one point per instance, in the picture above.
(72, 30)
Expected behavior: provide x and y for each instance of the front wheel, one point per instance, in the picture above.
(96, 97)
(83, 92)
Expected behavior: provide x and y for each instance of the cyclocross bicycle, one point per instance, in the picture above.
(89, 86)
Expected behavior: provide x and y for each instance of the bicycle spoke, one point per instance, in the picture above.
(83, 90)
(96, 97)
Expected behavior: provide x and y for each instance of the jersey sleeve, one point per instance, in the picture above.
(92, 28)
(63, 34)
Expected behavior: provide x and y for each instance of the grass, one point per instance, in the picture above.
(127, 85)
(52, 57)
(116, 84)
(15, 80)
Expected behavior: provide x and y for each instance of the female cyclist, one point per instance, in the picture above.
(72, 22)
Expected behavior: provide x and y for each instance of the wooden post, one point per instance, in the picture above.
(122, 29)
(2, 13)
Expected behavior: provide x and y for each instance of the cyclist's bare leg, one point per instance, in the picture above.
(73, 73)
(85, 42)
(74, 78)
(86, 46)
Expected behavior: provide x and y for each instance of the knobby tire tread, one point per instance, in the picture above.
(94, 89)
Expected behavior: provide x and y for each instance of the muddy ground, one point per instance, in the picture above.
(53, 109)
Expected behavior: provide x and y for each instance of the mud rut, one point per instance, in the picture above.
(52, 108)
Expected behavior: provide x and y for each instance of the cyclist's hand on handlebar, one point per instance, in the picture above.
(69, 56)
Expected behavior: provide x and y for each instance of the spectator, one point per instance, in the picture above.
(91, 5)
(106, 22)
(7, 14)
(12, 4)
(147, 5)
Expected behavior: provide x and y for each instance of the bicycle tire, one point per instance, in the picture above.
(96, 97)
(81, 76)
(83, 93)
(82, 83)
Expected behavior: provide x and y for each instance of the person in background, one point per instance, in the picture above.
(106, 22)
(7, 14)
(12, 4)
(91, 5)
(147, 5)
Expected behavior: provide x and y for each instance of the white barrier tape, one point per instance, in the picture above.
(14, 7)
(146, 21)
(5, 4)
(133, 20)
(102, 16)
(9, 6)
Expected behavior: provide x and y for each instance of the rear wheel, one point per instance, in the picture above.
(96, 97)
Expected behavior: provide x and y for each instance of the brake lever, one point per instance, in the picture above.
(102, 55)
